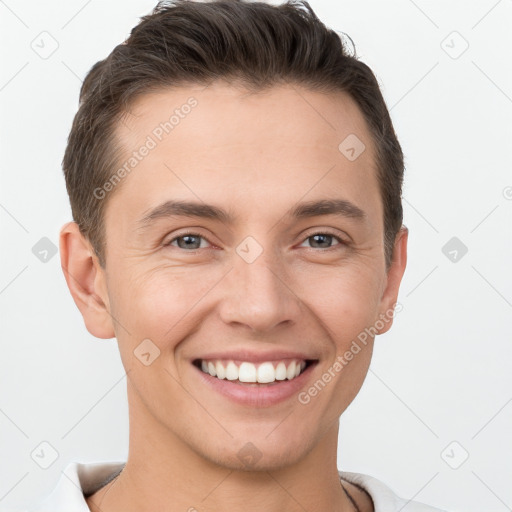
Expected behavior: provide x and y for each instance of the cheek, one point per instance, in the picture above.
(158, 309)
(346, 307)
(158, 304)
(346, 303)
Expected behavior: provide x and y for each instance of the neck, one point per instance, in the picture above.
(164, 473)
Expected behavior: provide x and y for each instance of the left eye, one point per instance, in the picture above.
(193, 241)
(320, 239)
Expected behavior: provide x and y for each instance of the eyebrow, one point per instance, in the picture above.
(173, 208)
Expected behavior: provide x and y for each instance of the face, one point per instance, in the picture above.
(244, 237)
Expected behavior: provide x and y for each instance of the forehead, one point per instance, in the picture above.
(221, 142)
(220, 109)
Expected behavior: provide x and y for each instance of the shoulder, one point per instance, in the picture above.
(77, 479)
(384, 499)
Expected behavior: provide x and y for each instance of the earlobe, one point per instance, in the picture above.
(394, 278)
(86, 281)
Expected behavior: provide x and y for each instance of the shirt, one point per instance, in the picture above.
(80, 479)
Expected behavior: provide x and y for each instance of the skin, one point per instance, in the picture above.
(255, 155)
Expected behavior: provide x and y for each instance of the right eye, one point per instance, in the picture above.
(187, 241)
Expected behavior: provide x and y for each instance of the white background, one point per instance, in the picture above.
(442, 374)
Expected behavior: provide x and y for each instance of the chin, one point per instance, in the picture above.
(259, 453)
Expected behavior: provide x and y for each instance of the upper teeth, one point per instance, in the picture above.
(248, 372)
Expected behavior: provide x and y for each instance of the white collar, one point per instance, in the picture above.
(78, 479)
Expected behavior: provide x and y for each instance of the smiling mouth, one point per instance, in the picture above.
(245, 372)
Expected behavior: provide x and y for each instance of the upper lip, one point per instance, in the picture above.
(256, 356)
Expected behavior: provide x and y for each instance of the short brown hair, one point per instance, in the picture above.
(183, 42)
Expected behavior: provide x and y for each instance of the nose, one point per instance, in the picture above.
(259, 295)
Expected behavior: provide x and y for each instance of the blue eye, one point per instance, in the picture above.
(190, 241)
(321, 239)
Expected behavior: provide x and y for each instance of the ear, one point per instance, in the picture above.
(86, 281)
(394, 278)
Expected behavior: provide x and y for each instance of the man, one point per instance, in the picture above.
(235, 184)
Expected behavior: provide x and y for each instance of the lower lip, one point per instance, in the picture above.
(258, 395)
